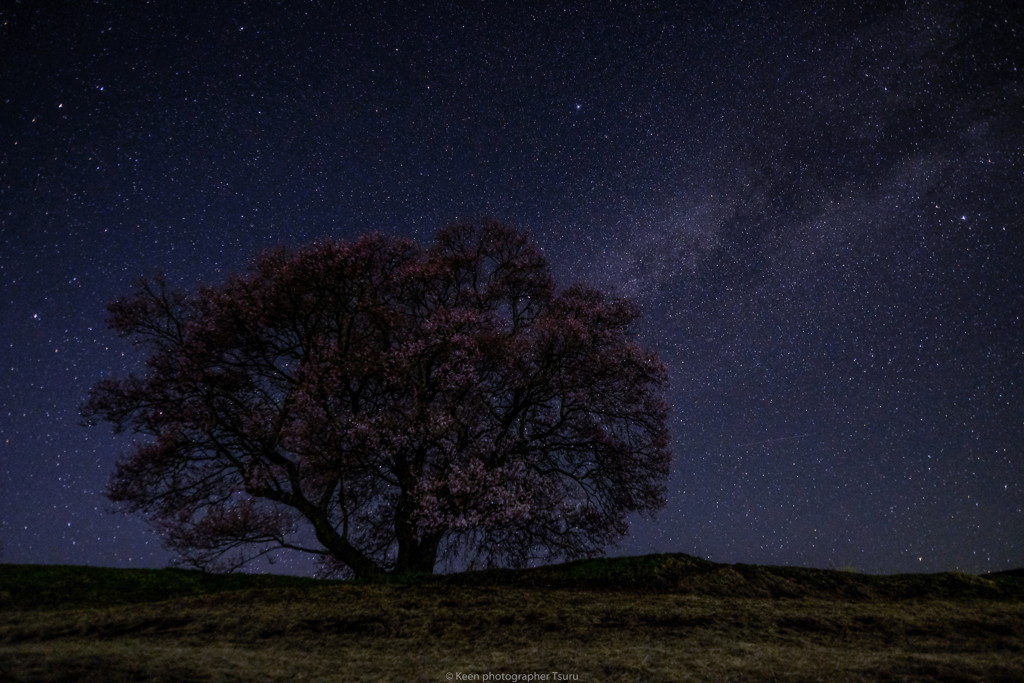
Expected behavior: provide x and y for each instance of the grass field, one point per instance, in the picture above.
(656, 618)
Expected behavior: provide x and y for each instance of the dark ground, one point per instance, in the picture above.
(656, 618)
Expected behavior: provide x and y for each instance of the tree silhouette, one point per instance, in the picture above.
(383, 405)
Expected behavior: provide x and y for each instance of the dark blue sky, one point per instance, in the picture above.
(819, 210)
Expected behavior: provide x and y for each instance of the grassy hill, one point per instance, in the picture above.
(652, 618)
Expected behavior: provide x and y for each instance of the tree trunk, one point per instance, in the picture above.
(416, 555)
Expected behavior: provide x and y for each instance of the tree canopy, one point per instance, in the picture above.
(384, 405)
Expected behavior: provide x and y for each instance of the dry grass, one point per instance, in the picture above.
(424, 632)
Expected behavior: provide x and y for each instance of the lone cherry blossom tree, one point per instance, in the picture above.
(385, 405)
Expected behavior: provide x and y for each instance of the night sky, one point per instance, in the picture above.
(818, 210)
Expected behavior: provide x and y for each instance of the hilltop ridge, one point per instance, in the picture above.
(64, 586)
(681, 573)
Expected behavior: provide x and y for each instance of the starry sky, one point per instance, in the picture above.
(819, 210)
